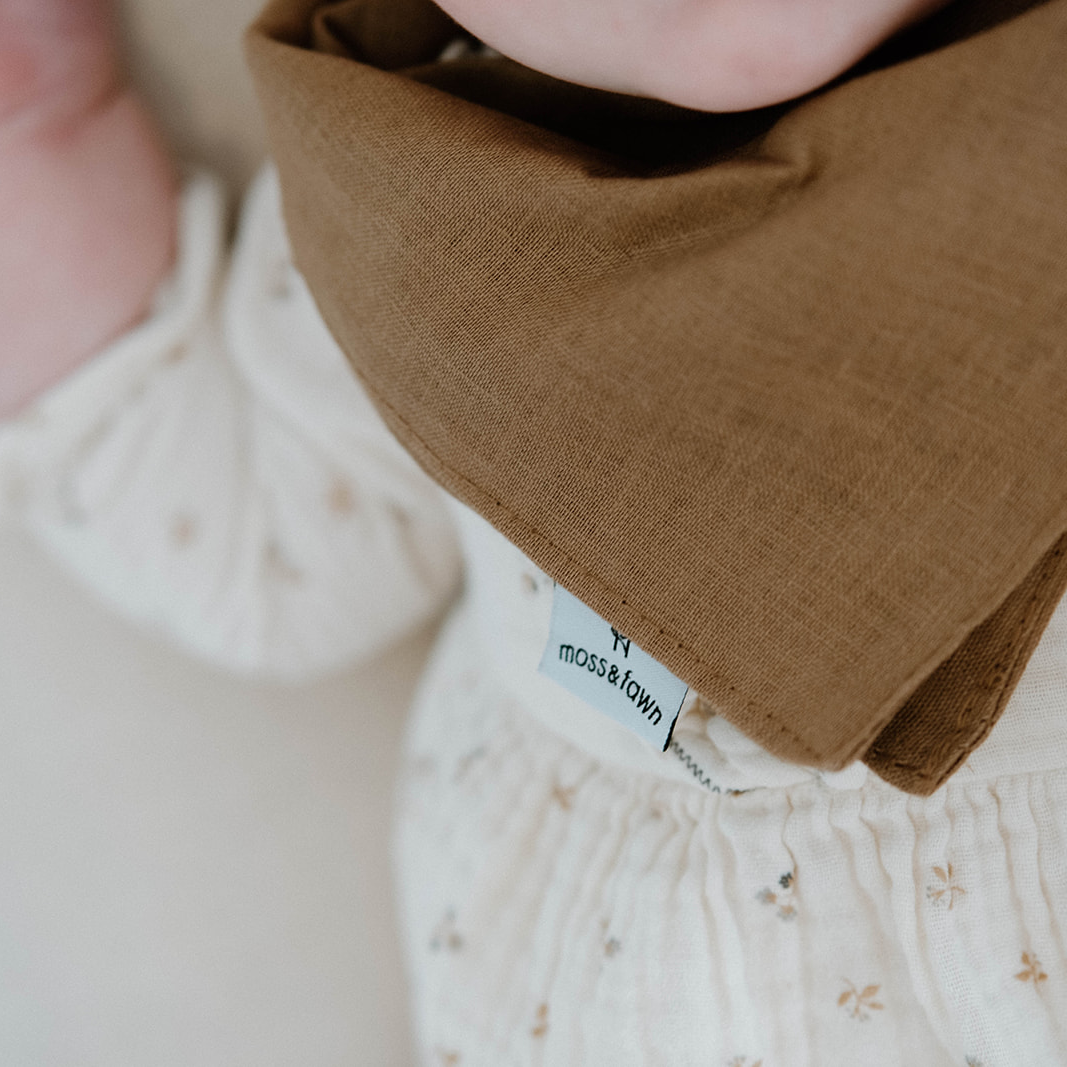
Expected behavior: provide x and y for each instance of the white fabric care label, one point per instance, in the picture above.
(592, 660)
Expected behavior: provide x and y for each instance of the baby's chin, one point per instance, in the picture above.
(713, 55)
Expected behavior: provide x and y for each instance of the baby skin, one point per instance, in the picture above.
(88, 193)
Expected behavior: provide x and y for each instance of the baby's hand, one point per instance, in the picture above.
(87, 194)
(57, 59)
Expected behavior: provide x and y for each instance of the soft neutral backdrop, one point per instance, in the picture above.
(193, 869)
(185, 56)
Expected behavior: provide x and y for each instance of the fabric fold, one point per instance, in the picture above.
(780, 394)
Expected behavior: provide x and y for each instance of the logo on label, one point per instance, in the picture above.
(594, 661)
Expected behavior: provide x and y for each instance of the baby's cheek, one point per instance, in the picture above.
(18, 76)
(600, 43)
(714, 55)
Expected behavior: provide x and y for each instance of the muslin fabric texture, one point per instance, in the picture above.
(570, 896)
(560, 909)
(778, 394)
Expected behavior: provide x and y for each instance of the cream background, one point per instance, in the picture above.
(193, 869)
(185, 56)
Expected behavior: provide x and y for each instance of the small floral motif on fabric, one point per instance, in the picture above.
(781, 898)
(563, 797)
(183, 530)
(446, 937)
(744, 1061)
(448, 1057)
(612, 945)
(341, 498)
(859, 1003)
(973, 1061)
(540, 1026)
(465, 762)
(945, 891)
(1032, 971)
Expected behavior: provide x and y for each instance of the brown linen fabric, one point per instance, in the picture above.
(782, 395)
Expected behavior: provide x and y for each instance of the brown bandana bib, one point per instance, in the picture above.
(782, 395)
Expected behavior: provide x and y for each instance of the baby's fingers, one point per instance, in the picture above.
(58, 60)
